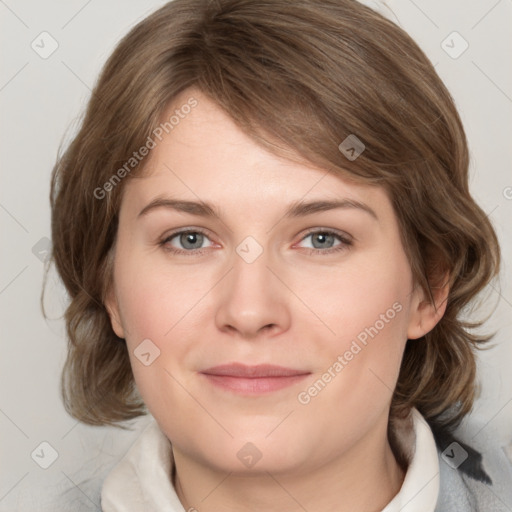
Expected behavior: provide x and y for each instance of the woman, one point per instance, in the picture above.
(266, 232)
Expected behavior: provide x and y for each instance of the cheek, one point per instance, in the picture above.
(155, 307)
(155, 297)
(366, 307)
(161, 309)
(364, 293)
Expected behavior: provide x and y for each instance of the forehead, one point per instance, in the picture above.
(206, 156)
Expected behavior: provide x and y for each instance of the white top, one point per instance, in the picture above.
(141, 480)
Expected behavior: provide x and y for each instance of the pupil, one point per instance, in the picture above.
(192, 239)
(323, 237)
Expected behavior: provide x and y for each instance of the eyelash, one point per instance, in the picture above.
(346, 242)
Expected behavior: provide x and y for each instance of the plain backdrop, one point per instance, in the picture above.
(42, 97)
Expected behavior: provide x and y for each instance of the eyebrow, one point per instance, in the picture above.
(296, 209)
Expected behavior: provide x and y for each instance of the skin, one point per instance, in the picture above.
(290, 307)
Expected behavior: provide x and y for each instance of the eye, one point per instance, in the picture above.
(187, 241)
(190, 241)
(324, 242)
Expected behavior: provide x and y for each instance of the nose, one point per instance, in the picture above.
(252, 301)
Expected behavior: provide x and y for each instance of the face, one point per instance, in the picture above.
(258, 278)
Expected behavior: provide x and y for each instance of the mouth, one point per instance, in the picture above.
(253, 380)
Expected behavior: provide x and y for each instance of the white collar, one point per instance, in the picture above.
(420, 488)
(142, 479)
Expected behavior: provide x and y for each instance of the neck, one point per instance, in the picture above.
(365, 479)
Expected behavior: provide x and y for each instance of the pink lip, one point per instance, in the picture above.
(258, 379)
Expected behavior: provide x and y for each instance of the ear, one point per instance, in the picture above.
(112, 307)
(424, 314)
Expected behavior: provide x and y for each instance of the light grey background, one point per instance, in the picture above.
(41, 100)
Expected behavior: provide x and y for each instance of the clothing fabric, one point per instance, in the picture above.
(434, 481)
(420, 488)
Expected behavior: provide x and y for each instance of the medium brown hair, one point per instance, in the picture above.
(298, 77)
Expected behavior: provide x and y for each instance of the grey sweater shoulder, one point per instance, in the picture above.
(471, 479)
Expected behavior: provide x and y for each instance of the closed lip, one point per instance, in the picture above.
(253, 372)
